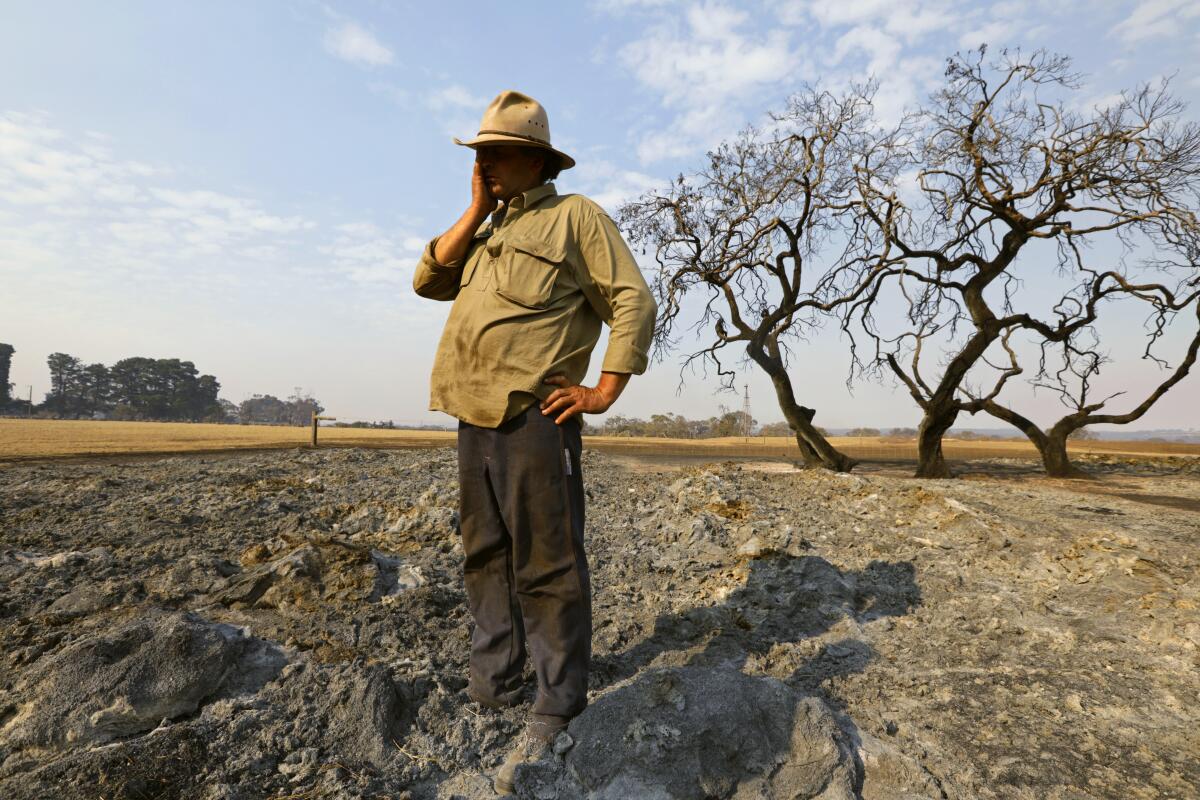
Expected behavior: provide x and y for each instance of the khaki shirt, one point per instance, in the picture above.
(529, 298)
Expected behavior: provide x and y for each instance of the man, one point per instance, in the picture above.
(532, 274)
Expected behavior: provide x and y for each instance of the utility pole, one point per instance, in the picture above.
(29, 411)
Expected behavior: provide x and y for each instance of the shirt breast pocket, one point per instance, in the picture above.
(527, 271)
(478, 251)
(468, 271)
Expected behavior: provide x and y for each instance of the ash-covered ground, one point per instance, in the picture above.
(292, 625)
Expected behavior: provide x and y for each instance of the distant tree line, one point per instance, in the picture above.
(132, 388)
(733, 423)
(675, 426)
(265, 409)
(388, 424)
(139, 388)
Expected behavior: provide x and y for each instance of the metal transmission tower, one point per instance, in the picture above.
(747, 420)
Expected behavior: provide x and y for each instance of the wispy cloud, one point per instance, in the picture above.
(71, 208)
(1156, 18)
(457, 108)
(36, 170)
(456, 96)
(711, 56)
(906, 19)
(365, 253)
(879, 39)
(716, 66)
(352, 42)
(995, 32)
(704, 67)
(612, 6)
(610, 185)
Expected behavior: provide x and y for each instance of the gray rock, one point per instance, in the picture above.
(353, 711)
(89, 598)
(363, 713)
(692, 733)
(118, 683)
(193, 574)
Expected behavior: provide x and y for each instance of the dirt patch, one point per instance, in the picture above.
(292, 624)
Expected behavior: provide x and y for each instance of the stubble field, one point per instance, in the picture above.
(22, 440)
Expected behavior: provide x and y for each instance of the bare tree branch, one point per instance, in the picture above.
(769, 236)
(1000, 160)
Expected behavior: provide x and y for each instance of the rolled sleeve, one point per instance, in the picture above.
(437, 281)
(616, 290)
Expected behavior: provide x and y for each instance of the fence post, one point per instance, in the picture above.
(314, 424)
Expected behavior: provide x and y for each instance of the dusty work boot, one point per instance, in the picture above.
(534, 744)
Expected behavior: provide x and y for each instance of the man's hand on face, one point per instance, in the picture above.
(482, 201)
(572, 399)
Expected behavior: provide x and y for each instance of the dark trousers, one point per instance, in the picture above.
(521, 512)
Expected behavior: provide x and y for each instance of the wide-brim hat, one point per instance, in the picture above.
(515, 118)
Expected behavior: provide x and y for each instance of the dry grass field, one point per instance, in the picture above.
(22, 440)
(25, 440)
(873, 448)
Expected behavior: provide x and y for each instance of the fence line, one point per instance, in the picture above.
(22, 439)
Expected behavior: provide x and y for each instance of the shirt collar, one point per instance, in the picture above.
(534, 196)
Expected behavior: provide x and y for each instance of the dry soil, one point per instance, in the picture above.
(292, 625)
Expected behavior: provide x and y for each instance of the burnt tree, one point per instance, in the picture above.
(1077, 367)
(764, 241)
(1005, 171)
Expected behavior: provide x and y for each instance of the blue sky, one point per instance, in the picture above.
(247, 185)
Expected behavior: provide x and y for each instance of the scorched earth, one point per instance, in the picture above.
(292, 625)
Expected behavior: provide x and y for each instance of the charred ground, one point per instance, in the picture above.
(292, 624)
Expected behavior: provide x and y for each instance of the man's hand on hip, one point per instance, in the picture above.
(570, 399)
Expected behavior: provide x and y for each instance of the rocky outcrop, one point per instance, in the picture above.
(118, 683)
(694, 733)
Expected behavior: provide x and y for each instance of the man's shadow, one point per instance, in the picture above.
(785, 600)
(696, 720)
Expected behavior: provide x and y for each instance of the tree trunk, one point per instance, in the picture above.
(930, 461)
(1055, 459)
(942, 407)
(1052, 446)
(814, 448)
(812, 458)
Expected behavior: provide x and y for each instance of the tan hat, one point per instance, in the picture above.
(515, 118)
